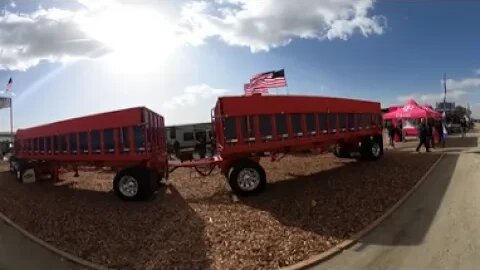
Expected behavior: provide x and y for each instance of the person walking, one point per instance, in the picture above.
(430, 139)
(422, 135)
(202, 146)
(439, 130)
(391, 133)
(176, 148)
(463, 126)
(400, 130)
(444, 134)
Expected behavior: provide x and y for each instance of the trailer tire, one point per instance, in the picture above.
(371, 149)
(13, 165)
(26, 173)
(135, 184)
(247, 178)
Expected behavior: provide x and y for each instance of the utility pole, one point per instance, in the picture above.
(445, 92)
(11, 120)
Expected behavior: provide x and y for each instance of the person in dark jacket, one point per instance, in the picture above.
(430, 138)
(400, 130)
(439, 130)
(391, 133)
(202, 146)
(423, 132)
(463, 126)
(176, 148)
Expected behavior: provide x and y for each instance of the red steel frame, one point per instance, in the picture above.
(151, 153)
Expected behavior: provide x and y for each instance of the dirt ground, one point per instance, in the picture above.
(311, 203)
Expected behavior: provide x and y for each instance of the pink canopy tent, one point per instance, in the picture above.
(408, 115)
(434, 114)
(412, 110)
(394, 108)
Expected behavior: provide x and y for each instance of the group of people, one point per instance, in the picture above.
(394, 130)
(425, 131)
(425, 134)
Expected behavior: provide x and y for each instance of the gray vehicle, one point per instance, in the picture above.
(184, 138)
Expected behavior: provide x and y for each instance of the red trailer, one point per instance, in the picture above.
(130, 141)
(133, 142)
(250, 127)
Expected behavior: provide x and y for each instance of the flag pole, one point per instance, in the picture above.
(11, 120)
(286, 82)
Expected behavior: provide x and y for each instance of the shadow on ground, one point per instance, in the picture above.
(165, 233)
(410, 229)
(339, 202)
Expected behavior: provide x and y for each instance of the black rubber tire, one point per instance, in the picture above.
(22, 168)
(367, 149)
(146, 180)
(18, 174)
(235, 171)
(18, 170)
(13, 163)
(342, 151)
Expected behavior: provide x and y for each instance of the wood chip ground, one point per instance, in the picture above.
(311, 204)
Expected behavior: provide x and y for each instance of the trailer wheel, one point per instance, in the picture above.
(371, 149)
(247, 178)
(13, 166)
(341, 151)
(26, 174)
(134, 184)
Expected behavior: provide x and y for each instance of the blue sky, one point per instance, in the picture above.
(70, 58)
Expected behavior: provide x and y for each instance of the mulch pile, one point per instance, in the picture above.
(310, 205)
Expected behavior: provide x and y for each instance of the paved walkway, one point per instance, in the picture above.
(19, 253)
(437, 228)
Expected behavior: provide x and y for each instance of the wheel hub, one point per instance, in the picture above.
(128, 186)
(248, 179)
(376, 150)
(29, 176)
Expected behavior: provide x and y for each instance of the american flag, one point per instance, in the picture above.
(9, 85)
(270, 79)
(249, 90)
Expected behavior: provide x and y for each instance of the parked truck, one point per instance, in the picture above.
(246, 128)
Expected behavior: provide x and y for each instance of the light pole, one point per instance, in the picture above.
(445, 93)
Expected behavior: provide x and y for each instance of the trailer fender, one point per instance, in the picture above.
(227, 164)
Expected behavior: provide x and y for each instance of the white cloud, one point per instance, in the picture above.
(194, 94)
(193, 105)
(432, 98)
(46, 34)
(466, 83)
(261, 25)
(57, 35)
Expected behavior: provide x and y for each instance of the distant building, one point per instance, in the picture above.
(5, 136)
(447, 106)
